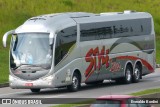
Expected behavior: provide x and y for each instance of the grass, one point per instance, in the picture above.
(14, 12)
(158, 49)
(148, 91)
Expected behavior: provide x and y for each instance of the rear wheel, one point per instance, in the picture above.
(128, 75)
(75, 83)
(136, 74)
(35, 90)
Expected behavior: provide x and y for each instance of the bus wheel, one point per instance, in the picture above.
(136, 74)
(35, 90)
(75, 83)
(128, 75)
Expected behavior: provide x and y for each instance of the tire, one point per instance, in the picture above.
(75, 83)
(35, 90)
(128, 75)
(136, 74)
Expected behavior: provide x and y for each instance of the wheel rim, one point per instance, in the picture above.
(128, 75)
(137, 73)
(75, 82)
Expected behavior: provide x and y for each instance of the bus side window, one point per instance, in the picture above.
(95, 31)
(66, 38)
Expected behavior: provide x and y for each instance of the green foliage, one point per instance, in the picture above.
(145, 92)
(14, 12)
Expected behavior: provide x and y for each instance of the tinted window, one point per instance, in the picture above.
(115, 29)
(106, 103)
(65, 40)
(144, 105)
(131, 102)
(135, 27)
(94, 31)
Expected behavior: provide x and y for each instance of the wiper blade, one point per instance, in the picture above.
(20, 66)
(31, 65)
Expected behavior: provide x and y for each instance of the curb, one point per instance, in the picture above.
(4, 85)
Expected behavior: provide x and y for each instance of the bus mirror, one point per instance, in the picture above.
(6, 36)
(51, 38)
(50, 41)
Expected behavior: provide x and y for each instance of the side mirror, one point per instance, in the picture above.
(6, 36)
(51, 36)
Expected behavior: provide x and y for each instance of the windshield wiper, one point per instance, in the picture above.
(33, 65)
(21, 65)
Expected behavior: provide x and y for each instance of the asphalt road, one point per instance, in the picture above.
(87, 91)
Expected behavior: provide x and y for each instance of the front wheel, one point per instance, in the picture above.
(35, 90)
(75, 83)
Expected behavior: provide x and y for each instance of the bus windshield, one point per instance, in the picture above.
(31, 49)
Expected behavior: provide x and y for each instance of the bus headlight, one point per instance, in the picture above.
(11, 78)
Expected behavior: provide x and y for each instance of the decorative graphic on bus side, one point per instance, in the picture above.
(92, 56)
(115, 66)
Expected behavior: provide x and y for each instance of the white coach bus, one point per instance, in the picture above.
(67, 49)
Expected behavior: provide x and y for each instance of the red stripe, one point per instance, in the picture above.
(89, 75)
(149, 67)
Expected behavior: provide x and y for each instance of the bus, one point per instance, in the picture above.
(67, 49)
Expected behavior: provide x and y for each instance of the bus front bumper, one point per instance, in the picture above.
(46, 82)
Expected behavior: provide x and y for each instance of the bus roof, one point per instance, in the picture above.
(56, 22)
(51, 22)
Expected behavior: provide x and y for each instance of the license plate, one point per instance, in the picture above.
(29, 84)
